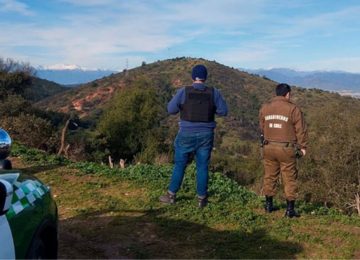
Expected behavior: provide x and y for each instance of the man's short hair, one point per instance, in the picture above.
(282, 89)
(199, 72)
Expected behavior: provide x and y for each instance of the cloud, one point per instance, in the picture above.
(246, 56)
(225, 14)
(104, 33)
(90, 3)
(320, 24)
(157, 26)
(120, 28)
(14, 6)
(84, 45)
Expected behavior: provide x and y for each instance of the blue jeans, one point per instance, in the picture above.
(199, 143)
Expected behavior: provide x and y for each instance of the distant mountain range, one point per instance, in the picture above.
(343, 82)
(71, 74)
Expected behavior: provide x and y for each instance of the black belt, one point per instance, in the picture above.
(282, 144)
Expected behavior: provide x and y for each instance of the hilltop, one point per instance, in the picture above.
(163, 74)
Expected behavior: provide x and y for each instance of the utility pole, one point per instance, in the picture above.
(127, 67)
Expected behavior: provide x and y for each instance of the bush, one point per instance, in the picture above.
(330, 173)
(30, 130)
(129, 121)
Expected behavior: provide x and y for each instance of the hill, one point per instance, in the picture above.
(343, 82)
(333, 121)
(244, 92)
(114, 213)
(168, 74)
(41, 88)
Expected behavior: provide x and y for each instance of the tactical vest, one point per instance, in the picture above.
(199, 105)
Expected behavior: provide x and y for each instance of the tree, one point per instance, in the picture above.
(15, 77)
(130, 119)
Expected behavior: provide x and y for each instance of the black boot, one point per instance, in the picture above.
(290, 210)
(269, 207)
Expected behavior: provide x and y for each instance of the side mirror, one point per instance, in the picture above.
(5, 144)
(6, 194)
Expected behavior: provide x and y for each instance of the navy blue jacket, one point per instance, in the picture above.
(187, 126)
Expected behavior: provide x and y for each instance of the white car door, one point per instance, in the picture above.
(7, 250)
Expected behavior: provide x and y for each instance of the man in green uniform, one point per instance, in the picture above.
(285, 137)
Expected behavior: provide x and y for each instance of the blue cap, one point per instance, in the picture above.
(199, 72)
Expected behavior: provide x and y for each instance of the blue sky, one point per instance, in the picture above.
(108, 34)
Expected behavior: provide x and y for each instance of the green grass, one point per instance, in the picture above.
(114, 213)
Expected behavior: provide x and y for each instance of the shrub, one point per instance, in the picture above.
(129, 120)
(30, 130)
(330, 172)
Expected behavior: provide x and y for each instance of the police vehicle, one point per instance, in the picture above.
(28, 214)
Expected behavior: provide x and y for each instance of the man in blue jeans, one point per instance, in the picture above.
(197, 105)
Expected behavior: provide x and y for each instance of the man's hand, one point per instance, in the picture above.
(303, 151)
(300, 152)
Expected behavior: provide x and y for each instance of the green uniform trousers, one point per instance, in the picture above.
(279, 159)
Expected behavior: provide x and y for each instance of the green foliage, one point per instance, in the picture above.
(227, 197)
(129, 120)
(36, 157)
(13, 105)
(156, 147)
(18, 78)
(225, 194)
(41, 89)
(87, 145)
(242, 162)
(13, 82)
(25, 123)
(29, 130)
(125, 205)
(93, 168)
(330, 173)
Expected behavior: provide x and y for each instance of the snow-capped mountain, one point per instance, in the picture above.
(67, 74)
(62, 67)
